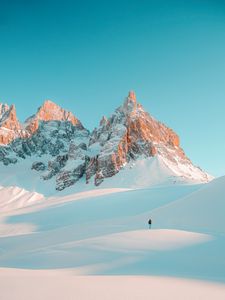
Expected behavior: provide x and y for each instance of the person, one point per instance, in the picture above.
(150, 223)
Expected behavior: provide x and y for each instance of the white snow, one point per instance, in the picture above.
(14, 197)
(203, 210)
(104, 232)
(21, 175)
(94, 149)
(45, 284)
(143, 173)
(154, 171)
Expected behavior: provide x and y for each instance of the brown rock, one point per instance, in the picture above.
(50, 111)
(132, 96)
(10, 127)
(130, 104)
(9, 120)
(131, 132)
(32, 126)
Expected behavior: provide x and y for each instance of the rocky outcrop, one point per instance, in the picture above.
(3, 109)
(55, 143)
(38, 166)
(66, 178)
(10, 127)
(50, 111)
(128, 134)
(32, 125)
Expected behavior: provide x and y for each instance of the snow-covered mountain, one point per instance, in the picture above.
(53, 137)
(54, 144)
(130, 134)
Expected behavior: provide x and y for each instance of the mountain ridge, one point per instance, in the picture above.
(63, 149)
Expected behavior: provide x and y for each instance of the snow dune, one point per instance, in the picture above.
(105, 232)
(146, 240)
(202, 211)
(42, 284)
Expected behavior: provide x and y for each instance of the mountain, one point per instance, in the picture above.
(53, 137)
(54, 144)
(130, 134)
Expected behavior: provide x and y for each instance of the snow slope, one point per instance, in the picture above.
(105, 232)
(64, 285)
(154, 171)
(202, 211)
(143, 173)
(14, 197)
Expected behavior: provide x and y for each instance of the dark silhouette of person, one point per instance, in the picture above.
(150, 223)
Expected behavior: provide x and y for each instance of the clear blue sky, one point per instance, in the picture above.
(86, 55)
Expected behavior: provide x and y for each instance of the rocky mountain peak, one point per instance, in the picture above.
(12, 113)
(10, 127)
(3, 109)
(132, 96)
(9, 118)
(130, 103)
(104, 121)
(49, 102)
(49, 105)
(50, 111)
(132, 133)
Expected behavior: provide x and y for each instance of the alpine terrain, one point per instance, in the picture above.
(75, 203)
(54, 144)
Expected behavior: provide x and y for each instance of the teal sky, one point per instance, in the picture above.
(87, 55)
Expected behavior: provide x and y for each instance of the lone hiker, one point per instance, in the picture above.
(150, 223)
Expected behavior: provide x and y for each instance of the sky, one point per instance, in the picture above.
(87, 55)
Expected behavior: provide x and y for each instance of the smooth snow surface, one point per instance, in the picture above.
(204, 210)
(38, 285)
(105, 232)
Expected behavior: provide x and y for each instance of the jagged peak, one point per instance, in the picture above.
(132, 96)
(12, 113)
(50, 111)
(12, 107)
(130, 103)
(48, 101)
(48, 104)
(103, 121)
(9, 124)
(8, 113)
(3, 108)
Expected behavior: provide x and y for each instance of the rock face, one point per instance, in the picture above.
(10, 127)
(50, 111)
(59, 148)
(54, 136)
(128, 134)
